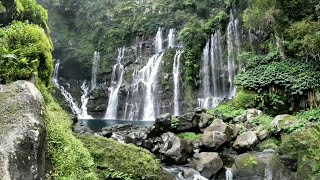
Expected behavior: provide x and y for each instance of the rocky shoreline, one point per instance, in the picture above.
(224, 145)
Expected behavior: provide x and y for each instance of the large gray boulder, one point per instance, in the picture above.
(217, 134)
(261, 166)
(22, 132)
(205, 120)
(175, 150)
(246, 141)
(207, 163)
(283, 121)
(187, 122)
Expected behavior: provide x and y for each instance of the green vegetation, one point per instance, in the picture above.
(303, 118)
(304, 146)
(174, 122)
(270, 143)
(265, 121)
(24, 49)
(69, 158)
(246, 99)
(115, 160)
(247, 161)
(226, 111)
(190, 136)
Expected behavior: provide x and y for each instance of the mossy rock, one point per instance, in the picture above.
(246, 99)
(268, 144)
(227, 111)
(127, 161)
(303, 146)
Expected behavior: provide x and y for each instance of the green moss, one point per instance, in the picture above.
(265, 121)
(128, 160)
(246, 99)
(190, 136)
(226, 111)
(69, 158)
(174, 122)
(299, 121)
(271, 143)
(247, 161)
(305, 147)
(24, 50)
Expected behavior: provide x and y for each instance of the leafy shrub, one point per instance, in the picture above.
(303, 118)
(127, 161)
(226, 111)
(246, 99)
(174, 122)
(270, 143)
(190, 136)
(69, 158)
(24, 49)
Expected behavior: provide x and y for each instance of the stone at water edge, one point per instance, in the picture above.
(161, 125)
(22, 136)
(246, 141)
(261, 166)
(207, 163)
(217, 134)
(175, 150)
(187, 122)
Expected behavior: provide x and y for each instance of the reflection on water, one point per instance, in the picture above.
(96, 125)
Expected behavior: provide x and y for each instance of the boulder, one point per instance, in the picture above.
(161, 125)
(217, 134)
(22, 132)
(207, 163)
(189, 173)
(252, 113)
(204, 120)
(240, 118)
(283, 121)
(188, 122)
(199, 110)
(246, 141)
(260, 166)
(175, 150)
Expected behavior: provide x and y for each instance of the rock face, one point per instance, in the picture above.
(174, 149)
(22, 133)
(260, 166)
(217, 134)
(207, 163)
(246, 141)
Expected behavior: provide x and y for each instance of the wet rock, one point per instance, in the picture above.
(189, 173)
(246, 141)
(175, 150)
(217, 134)
(22, 132)
(260, 166)
(81, 128)
(188, 122)
(199, 110)
(207, 163)
(204, 120)
(161, 125)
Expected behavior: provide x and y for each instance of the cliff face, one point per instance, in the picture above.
(22, 132)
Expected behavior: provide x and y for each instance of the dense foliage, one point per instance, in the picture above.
(25, 48)
(118, 161)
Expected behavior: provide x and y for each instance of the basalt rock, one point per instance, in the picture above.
(246, 141)
(207, 163)
(22, 132)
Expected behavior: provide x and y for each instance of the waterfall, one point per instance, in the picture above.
(116, 81)
(171, 38)
(95, 68)
(80, 112)
(55, 74)
(229, 174)
(217, 72)
(176, 80)
(84, 101)
(233, 41)
(141, 102)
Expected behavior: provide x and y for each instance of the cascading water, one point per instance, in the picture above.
(117, 79)
(84, 101)
(80, 112)
(176, 80)
(171, 38)
(229, 174)
(141, 102)
(218, 73)
(95, 68)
